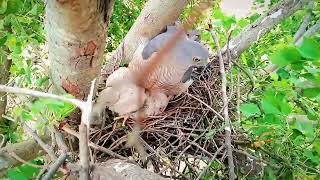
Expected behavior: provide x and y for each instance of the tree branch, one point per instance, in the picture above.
(303, 27)
(39, 94)
(44, 146)
(310, 32)
(253, 32)
(226, 108)
(55, 166)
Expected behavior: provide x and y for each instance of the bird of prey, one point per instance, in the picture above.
(171, 77)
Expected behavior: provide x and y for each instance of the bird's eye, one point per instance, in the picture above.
(196, 59)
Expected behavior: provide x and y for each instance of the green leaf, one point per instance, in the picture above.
(286, 56)
(269, 108)
(15, 174)
(249, 110)
(41, 81)
(3, 6)
(29, 171)
(310, 155)
(11, 42)
(310, 49)
(270, 119)
(270, 174)
(283, 73)
(311, 92)
(316, 146)
(306, 128)
(14, 6)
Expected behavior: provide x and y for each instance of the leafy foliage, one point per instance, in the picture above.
(281, 115)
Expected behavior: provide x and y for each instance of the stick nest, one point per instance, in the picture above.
(183, 139)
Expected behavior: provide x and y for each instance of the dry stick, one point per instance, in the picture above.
(83, 152)
(33, 93)
(209, 164)
(225, 110)
(94, 146)
(55, 166)
(84, 135)
(44, 146)
(59, 139)
(157, 154)
(205, 104)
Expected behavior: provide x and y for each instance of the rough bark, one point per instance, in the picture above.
(116, 169)
(76, 33)
(151, 21)
(27, 150)
(4, 77)
(256, 30)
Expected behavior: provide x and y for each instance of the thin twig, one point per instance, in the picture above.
(225, 110)
(238, 96)
(84, 135)
(205, 104)
(33, 93)
(83, 152)
(209, 164)
(43, 145)
(55, 166)
(59, 139)
(94, 146)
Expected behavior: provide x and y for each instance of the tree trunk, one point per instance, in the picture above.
(152, 20)
(76, 33)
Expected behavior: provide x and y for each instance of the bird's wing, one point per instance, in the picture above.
(155, 44)
(187, 74)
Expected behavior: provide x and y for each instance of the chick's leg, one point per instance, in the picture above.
(124, 117)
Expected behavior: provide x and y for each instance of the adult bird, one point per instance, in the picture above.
(171, 77)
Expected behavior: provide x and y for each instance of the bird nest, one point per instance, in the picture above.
(185, 138)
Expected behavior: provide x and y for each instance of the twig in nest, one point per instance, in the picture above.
(225, 110)
(94, 146)
(157, 154)
(55, 166)
(43, 145)
(209, 164)
(205, 104)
